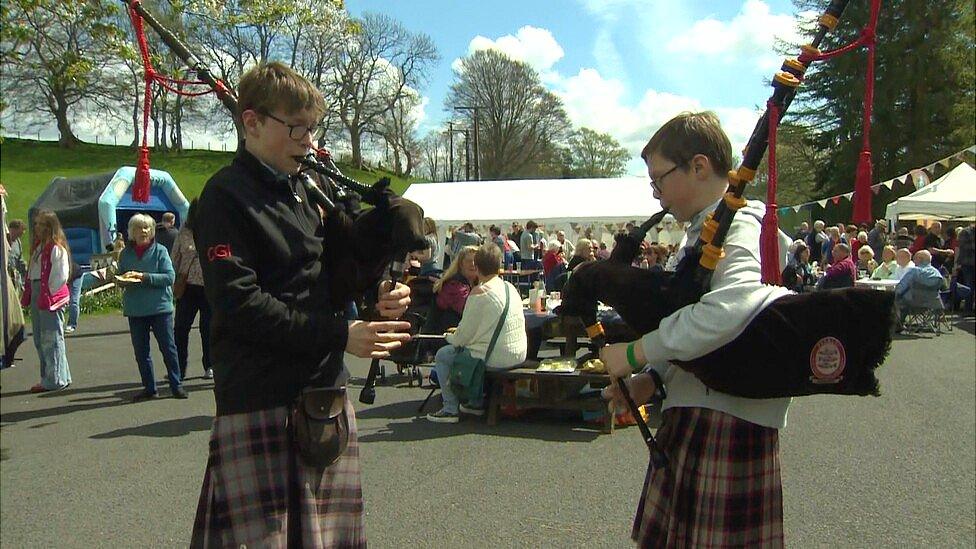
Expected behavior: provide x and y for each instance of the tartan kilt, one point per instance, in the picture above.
(723, 488)
(255, 480)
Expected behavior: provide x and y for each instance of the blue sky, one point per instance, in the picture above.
(621, 66)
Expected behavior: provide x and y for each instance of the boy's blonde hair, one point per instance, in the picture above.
(270, 86)
(688, 134)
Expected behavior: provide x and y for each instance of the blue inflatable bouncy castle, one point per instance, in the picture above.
(93, 208)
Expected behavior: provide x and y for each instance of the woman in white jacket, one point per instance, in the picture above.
(482, 313)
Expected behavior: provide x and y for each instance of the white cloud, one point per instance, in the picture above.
(599, 103)
(750, 34)
(533, 45)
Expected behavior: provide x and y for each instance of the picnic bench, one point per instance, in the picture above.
(555, 391)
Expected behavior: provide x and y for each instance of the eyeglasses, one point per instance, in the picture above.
(656, 183)
(297, 132)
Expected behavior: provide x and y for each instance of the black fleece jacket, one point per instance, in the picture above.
(261, 244)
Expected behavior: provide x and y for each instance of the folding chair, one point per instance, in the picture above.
(927, 315)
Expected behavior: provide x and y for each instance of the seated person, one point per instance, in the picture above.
(886, 270)
(552, 258)
(920, 286)
(654, 258)
(481, 316)
(833, 238)
(865, 261)
(451, 292)
(799, 272)
(842, 273)
(603, 252)
(583, 253)
(903, 262)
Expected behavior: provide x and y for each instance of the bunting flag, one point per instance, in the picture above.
(918, 177)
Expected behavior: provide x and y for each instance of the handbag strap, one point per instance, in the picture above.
(501, 321)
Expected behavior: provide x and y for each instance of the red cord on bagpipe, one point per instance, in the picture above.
(140, 188)
(769, 241)
(769, 237)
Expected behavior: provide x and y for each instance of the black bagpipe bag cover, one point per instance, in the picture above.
(826, 342)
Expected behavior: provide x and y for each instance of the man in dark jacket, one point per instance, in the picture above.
(166, 231)
(264, 250)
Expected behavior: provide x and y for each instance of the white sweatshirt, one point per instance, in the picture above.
(60, 268)
(737, 295)
(478, 321)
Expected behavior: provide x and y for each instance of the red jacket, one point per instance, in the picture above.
(550, 260)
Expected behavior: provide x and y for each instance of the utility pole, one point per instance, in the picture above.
(451, 130)
(450, 148)
(467, 156)
(477, 155)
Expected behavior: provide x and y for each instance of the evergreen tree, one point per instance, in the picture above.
(924, 90)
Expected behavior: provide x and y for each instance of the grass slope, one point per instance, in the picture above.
(27, 166)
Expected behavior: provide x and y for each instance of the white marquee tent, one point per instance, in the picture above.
(950, 197)
(570, 205)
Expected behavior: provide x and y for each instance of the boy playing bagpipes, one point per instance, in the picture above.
(723, 485)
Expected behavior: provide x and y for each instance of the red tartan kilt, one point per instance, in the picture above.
(254, 481)
(723, 488)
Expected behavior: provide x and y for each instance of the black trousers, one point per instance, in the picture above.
(187, 306)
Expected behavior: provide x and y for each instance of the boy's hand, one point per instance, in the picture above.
(640, 386)
(615, 358)
(376, 339)
(393, 302)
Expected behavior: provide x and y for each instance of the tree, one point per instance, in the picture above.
(594, 154)
(797, 158)
(924, 102)
(432, 156)
(378, 65)
(397, 129)
(520, 123)
(55, 54)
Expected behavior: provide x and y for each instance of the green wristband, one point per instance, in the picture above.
(632, 358)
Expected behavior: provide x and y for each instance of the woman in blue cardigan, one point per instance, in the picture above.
(148, 277)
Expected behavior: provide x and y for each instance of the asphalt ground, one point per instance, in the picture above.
(86, 468)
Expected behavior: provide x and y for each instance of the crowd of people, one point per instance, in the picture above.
(837, 256)
(532, 247)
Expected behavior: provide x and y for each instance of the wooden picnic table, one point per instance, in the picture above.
(555, 391)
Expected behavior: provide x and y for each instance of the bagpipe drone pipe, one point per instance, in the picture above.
(826, 342)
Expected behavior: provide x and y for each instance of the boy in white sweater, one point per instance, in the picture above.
(723, 486)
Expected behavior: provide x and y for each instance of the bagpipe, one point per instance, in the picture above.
(827, 342)
(382, 236)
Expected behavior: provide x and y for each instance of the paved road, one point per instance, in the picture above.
(84, 468)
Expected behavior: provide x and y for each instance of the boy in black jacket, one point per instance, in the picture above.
(262, 247)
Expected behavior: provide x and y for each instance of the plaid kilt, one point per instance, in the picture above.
(723, 488)
(255, 481)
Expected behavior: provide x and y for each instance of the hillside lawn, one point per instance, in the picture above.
(28, 166)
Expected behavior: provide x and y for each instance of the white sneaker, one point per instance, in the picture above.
(472, 411)
(69, 329)
(208, 374)
(441, 416)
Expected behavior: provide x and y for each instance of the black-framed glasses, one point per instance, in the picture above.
(297, 132)
(656, 183)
